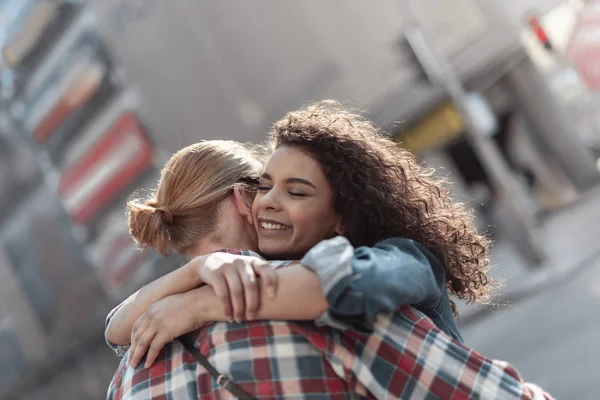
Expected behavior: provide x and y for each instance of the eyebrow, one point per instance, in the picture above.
(291, 180)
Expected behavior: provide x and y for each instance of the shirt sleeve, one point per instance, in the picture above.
(361, 283)
(119, 350)
(496, 378)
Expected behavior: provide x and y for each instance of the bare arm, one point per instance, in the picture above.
(299, 297)
(185, 281)
(120, 325)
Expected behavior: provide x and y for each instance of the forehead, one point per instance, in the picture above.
(292, 158)
(289, 161)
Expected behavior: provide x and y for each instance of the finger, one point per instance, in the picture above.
(158, 343)
(222, 292)
(251, 292)
(142, 347)
(139, 323)
(236, 290)
(130, 354)
(267, 276)
(142, 343)
(139, 326)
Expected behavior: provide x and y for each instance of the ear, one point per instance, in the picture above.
(243, 203)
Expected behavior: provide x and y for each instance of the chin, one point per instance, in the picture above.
(273, 251)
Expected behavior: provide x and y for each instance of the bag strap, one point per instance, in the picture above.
(223, 380)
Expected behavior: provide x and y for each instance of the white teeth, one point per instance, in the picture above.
(279, 227)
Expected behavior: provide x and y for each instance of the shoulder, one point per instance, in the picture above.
(173, 363)
(413, 249)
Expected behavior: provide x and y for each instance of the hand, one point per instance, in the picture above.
(164, 321)
(233, 278)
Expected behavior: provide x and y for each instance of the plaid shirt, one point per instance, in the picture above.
(405, 356)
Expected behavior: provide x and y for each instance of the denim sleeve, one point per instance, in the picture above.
(119, 350)
(361, 283)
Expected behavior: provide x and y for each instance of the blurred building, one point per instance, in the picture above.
(96, 94)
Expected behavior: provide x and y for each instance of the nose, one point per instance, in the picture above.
(269, 201)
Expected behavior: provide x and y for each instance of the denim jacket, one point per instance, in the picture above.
(363, 282)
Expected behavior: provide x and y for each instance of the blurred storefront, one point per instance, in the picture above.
(96, 94)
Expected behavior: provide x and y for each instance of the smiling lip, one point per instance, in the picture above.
(271, 227)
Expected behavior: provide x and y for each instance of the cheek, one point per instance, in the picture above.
(315, 223)
(256, 205)
(305, 220)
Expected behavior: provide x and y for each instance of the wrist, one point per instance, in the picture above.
(194, 270)
(199, 311)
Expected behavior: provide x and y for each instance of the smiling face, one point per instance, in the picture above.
(293, 209)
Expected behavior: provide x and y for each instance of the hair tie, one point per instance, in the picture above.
(167, 214)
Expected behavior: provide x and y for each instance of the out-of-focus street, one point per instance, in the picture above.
(500, 97)
(548, 324)
(552, 339)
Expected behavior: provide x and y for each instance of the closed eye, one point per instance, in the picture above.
(263, 188)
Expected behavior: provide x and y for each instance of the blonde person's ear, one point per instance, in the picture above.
(243, 203)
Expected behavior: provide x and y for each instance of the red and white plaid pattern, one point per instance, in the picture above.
(267, 359)
(406, 357)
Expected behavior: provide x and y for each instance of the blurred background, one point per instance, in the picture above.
(501, 96)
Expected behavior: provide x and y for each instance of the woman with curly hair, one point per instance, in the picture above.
(394, 235)
(381, 191)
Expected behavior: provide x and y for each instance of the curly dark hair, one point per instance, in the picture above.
(381, 191)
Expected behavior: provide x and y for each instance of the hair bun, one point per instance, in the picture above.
(163, 213)
(148, 224)
(150, 204)
(166, 214)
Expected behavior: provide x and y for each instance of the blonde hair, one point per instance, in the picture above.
(183, 208)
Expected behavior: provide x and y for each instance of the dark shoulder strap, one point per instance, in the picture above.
(223, 380)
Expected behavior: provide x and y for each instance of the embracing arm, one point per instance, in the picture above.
(299, 297)
(358, 284)
(348, 287)
(120, 320)
(361, 283)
